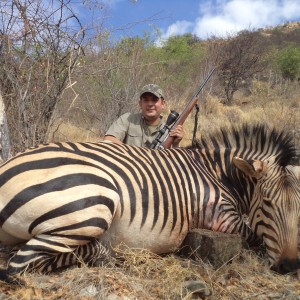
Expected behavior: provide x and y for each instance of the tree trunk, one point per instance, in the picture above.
(4, 133)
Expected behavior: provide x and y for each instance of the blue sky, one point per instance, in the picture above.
(203, 18)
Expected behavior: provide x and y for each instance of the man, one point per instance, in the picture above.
(140, 129)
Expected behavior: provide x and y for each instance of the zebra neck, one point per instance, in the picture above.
(220, 167)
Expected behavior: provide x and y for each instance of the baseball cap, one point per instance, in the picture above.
(153, 89)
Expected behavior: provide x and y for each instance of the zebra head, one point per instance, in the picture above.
(275, 209)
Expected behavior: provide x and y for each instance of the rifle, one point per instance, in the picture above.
(175, 119)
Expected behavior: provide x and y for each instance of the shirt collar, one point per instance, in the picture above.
(158, 125)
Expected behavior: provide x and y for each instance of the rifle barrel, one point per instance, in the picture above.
(204, 82)
(187, 110)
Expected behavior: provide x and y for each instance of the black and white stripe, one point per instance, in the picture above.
(59, 199)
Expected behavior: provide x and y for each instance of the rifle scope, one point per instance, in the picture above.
(172, 117)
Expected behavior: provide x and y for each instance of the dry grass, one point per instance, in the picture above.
(67, 132)
(212, 117)
(277, 106)
(143, 275)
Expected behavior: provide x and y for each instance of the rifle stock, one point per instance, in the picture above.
(167, 143)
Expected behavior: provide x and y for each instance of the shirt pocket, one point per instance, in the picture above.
(135, 131)
(134, 137)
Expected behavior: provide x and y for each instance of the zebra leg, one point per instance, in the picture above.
(236, 224)
(89, 253)
(35, 254)
(45, 255)
(251, 238)
(4, 276)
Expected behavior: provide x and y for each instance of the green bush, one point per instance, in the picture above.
(288, 62)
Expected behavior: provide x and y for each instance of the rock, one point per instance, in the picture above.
(197, 288)
(217, 248)
(6, 297)
(116, 297)
(3, 296)
(89, 291)
(275, 295)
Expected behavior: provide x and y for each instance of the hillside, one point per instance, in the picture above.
(257, 82)
(262, 95)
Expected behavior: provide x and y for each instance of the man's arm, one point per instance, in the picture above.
(112, 139)
(118, 130)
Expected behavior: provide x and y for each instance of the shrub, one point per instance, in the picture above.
(288, 62)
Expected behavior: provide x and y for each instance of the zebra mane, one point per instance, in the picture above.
(258, 139)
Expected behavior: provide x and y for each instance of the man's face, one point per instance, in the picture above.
(151, 106)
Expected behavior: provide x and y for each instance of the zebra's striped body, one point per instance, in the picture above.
(61, 197)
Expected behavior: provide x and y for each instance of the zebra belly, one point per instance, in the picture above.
(9, 240)
(133, 236)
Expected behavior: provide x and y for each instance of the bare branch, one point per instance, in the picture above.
(40, 43)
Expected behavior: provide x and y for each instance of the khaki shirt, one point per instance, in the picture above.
(132, 129)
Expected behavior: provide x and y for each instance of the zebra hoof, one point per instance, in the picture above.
(8, 279)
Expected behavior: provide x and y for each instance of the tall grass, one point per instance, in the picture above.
(277, 105)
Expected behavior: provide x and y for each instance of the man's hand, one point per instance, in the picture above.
(178, 134)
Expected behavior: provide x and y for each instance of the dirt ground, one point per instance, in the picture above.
(143, 275)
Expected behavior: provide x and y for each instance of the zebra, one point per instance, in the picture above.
(66, 201)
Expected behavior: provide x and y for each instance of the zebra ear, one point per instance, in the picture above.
(253, 168)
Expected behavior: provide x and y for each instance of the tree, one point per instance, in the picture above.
(288, 62)
(184, 53)
(5, 151)
(238, 58)
(40, 43)
(108, 80)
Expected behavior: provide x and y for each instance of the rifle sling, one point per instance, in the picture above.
(195, 125)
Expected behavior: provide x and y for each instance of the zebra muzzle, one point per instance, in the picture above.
(287, 266)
